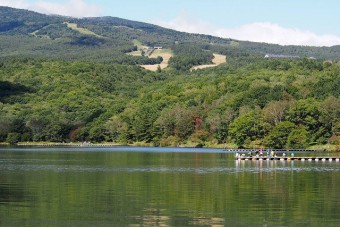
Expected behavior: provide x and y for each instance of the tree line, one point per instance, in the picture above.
(263, 103)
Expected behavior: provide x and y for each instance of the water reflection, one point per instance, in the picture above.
(164, 189)
(250, 166)
(259, 166)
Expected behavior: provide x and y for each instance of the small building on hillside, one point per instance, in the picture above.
(158, 47)
(280, 56)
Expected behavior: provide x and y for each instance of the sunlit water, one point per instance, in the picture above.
(163, 187)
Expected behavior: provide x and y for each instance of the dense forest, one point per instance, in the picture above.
(272, 103)
(65, 83)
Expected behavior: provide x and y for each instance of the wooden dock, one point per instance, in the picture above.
(265, 158)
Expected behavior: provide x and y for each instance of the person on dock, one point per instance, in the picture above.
(292, 155)
(272, 154)
(237, 155)
(284, 154)
(261, 152)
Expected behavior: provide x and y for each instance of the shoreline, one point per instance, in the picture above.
(319, 148)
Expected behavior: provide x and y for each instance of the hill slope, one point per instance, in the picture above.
(26, 33)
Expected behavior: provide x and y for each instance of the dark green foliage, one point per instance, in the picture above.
(278, 136)
(7, 89)
(55, 31)
(87, 41)
(9, 25)
(60, 97)
(260, 96)
(275, 64)
(298, 139)
(247, 127)
(306, 113)
(189, 55)
(327, 86)
(13, 138)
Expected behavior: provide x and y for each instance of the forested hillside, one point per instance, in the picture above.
(66, 80)
(106, 39)
(292, 103)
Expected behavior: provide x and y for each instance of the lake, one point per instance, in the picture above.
(131, 186)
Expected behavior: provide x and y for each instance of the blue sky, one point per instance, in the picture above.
(285, 22)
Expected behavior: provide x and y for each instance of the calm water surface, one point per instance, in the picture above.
(163, 187)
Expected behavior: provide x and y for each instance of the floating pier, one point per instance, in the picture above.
(316, 159)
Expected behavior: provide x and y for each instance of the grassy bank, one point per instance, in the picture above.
(326, 147)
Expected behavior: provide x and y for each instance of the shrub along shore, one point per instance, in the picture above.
(320, 148)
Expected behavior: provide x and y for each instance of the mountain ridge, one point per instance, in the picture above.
(120, 33)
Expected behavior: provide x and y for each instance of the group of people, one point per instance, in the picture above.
(259, 153)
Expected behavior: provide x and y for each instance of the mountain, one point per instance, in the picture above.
(66, 79)
(26, 34)
(29, 34)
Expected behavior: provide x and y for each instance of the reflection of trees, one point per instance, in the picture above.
(10, 193)
(170, 189)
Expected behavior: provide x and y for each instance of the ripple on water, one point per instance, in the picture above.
(163, 169)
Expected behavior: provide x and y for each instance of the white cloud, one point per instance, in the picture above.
(74, 8)
(257, 32)
(274, 33)
(14, 3)
(187, 23)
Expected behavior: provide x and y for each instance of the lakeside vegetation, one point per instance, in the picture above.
(71, 80)
(262, 104)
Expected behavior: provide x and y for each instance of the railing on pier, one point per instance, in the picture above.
(269, 150)
(246, 158)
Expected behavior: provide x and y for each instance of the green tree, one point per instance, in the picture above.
(4, 129)
(37, 124)
(166, 122)
(177, 121)
(13, 138)
(306, 113)
(298, 138)
(330, 113)
(117, 129)
(278, 136)
(275, 111)
(250, 126)
(97, 134)
(143, 122)
(218, 124)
